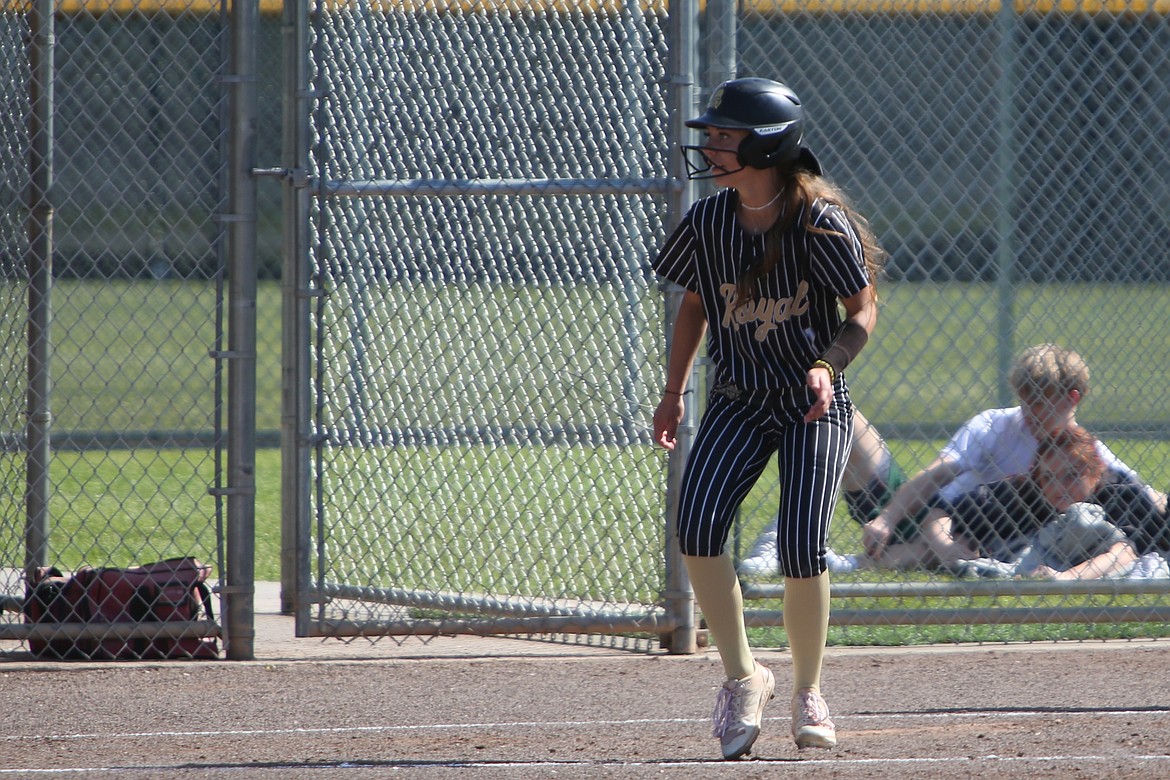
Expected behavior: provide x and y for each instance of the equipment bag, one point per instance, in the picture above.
(170, 590)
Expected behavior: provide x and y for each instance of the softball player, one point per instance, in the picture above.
(764, 263)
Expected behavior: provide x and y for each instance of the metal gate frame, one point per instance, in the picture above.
(300, 594)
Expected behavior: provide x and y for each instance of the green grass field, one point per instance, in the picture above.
(134, 357)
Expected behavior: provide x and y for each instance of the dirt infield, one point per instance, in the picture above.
(1038, 711)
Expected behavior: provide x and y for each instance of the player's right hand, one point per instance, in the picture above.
(875, 536)
(667, 417)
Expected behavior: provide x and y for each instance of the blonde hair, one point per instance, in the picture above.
(1048, 369)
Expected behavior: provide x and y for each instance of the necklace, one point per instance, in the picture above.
(775, 198)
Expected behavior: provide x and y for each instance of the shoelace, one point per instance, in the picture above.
(724, 714)
(812, 711)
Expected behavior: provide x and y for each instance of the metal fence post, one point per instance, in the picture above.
(683, 56)
(295, 354)
(241, 230)
(39, 265)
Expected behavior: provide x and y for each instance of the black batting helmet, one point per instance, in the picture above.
(772, 114)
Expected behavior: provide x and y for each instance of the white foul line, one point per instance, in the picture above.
(973, 714)
(400, 765)
(519, 725)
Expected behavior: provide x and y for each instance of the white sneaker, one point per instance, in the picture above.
(985, 568)
(811, 726)
(764, 559)
(841, 564)
(739, 708)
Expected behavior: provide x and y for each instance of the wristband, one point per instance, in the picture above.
(675, 392)
(850, 339)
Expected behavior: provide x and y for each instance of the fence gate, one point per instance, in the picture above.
(479, 340)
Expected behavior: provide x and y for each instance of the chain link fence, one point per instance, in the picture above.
(14, 148)
(113, 145)
(473, 342)
(1010, 158)
(984, 142)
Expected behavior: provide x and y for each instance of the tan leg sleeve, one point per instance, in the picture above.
(717, 591)
(806, 620)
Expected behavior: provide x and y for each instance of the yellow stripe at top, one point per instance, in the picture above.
(274, 7)
(960, 7)
(763, 7)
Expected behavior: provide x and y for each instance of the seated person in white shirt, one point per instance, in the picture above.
(1050, 382)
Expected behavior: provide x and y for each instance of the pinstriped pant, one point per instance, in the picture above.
(735, 441)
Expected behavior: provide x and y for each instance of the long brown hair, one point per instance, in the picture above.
(801, 188)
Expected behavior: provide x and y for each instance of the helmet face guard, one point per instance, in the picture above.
(699, 165)
(770, 112)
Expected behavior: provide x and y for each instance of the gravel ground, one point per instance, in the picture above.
(1036, 711)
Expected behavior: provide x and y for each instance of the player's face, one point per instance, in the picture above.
(720, 149)
(1064, 480)
(1047, 414)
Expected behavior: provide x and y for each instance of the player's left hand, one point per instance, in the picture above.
(667, 417)
(821, 384)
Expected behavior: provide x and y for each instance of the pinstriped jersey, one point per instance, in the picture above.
(771, 342)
